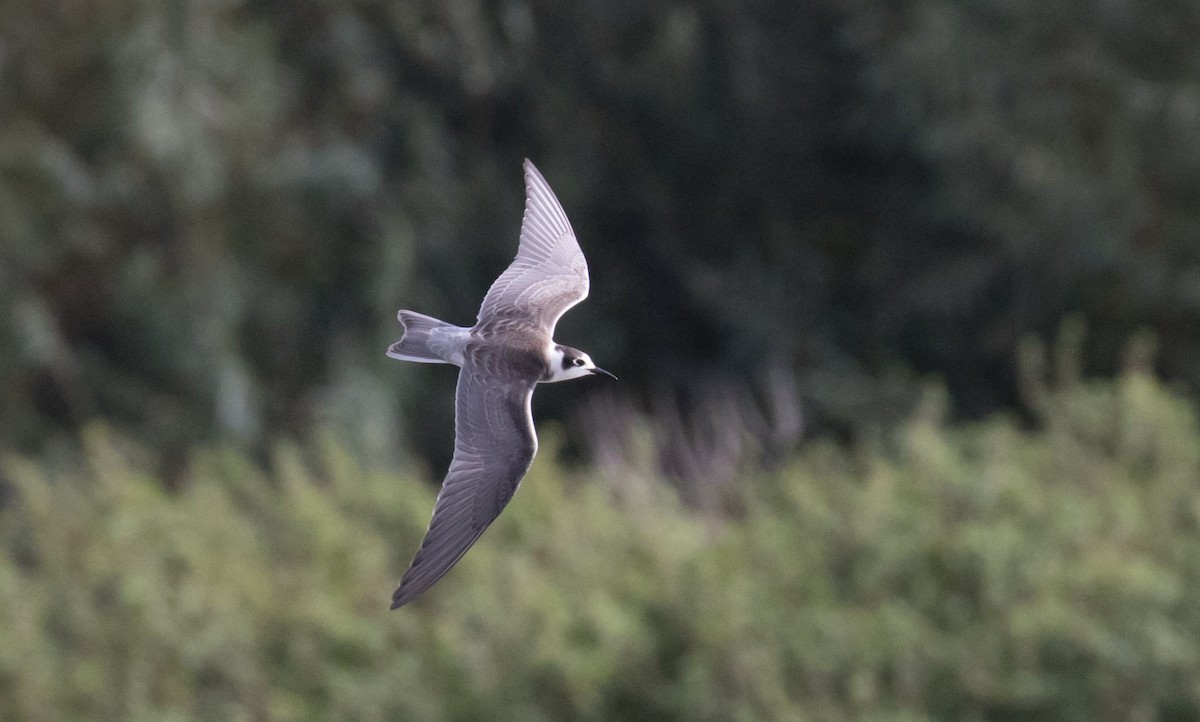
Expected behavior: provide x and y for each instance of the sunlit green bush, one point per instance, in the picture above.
(988, 573)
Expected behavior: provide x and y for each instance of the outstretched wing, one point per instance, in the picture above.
(494, 444)
(549, 274)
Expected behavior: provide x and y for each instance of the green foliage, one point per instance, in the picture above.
(983, 573)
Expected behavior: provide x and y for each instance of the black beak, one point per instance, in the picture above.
(600, 371)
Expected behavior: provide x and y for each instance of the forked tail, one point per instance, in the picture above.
(427, 340)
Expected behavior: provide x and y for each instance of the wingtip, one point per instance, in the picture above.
(531, 170)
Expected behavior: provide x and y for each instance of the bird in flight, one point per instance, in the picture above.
(508, 351)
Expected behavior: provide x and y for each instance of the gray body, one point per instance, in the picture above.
(503, 357)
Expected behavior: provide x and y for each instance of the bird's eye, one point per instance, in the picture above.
(578, 362)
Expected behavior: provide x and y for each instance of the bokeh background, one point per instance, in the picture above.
(904, 298)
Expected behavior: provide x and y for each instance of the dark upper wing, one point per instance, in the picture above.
(549, 274)
(494, 444)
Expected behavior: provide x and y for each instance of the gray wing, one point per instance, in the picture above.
(549, 274)
(494, 444)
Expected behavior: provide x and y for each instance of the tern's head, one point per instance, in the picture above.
(571, 363)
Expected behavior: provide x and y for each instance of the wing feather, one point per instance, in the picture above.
(494, 445)
(549, 274)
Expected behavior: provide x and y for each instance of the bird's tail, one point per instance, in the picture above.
(426, 339)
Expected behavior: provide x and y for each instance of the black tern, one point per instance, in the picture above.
(508, 351)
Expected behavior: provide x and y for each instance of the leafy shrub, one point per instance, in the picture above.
(984, 573)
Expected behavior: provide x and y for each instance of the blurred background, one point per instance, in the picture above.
(904, 299)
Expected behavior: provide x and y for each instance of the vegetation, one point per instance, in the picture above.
(793, 210)
(986, 572)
